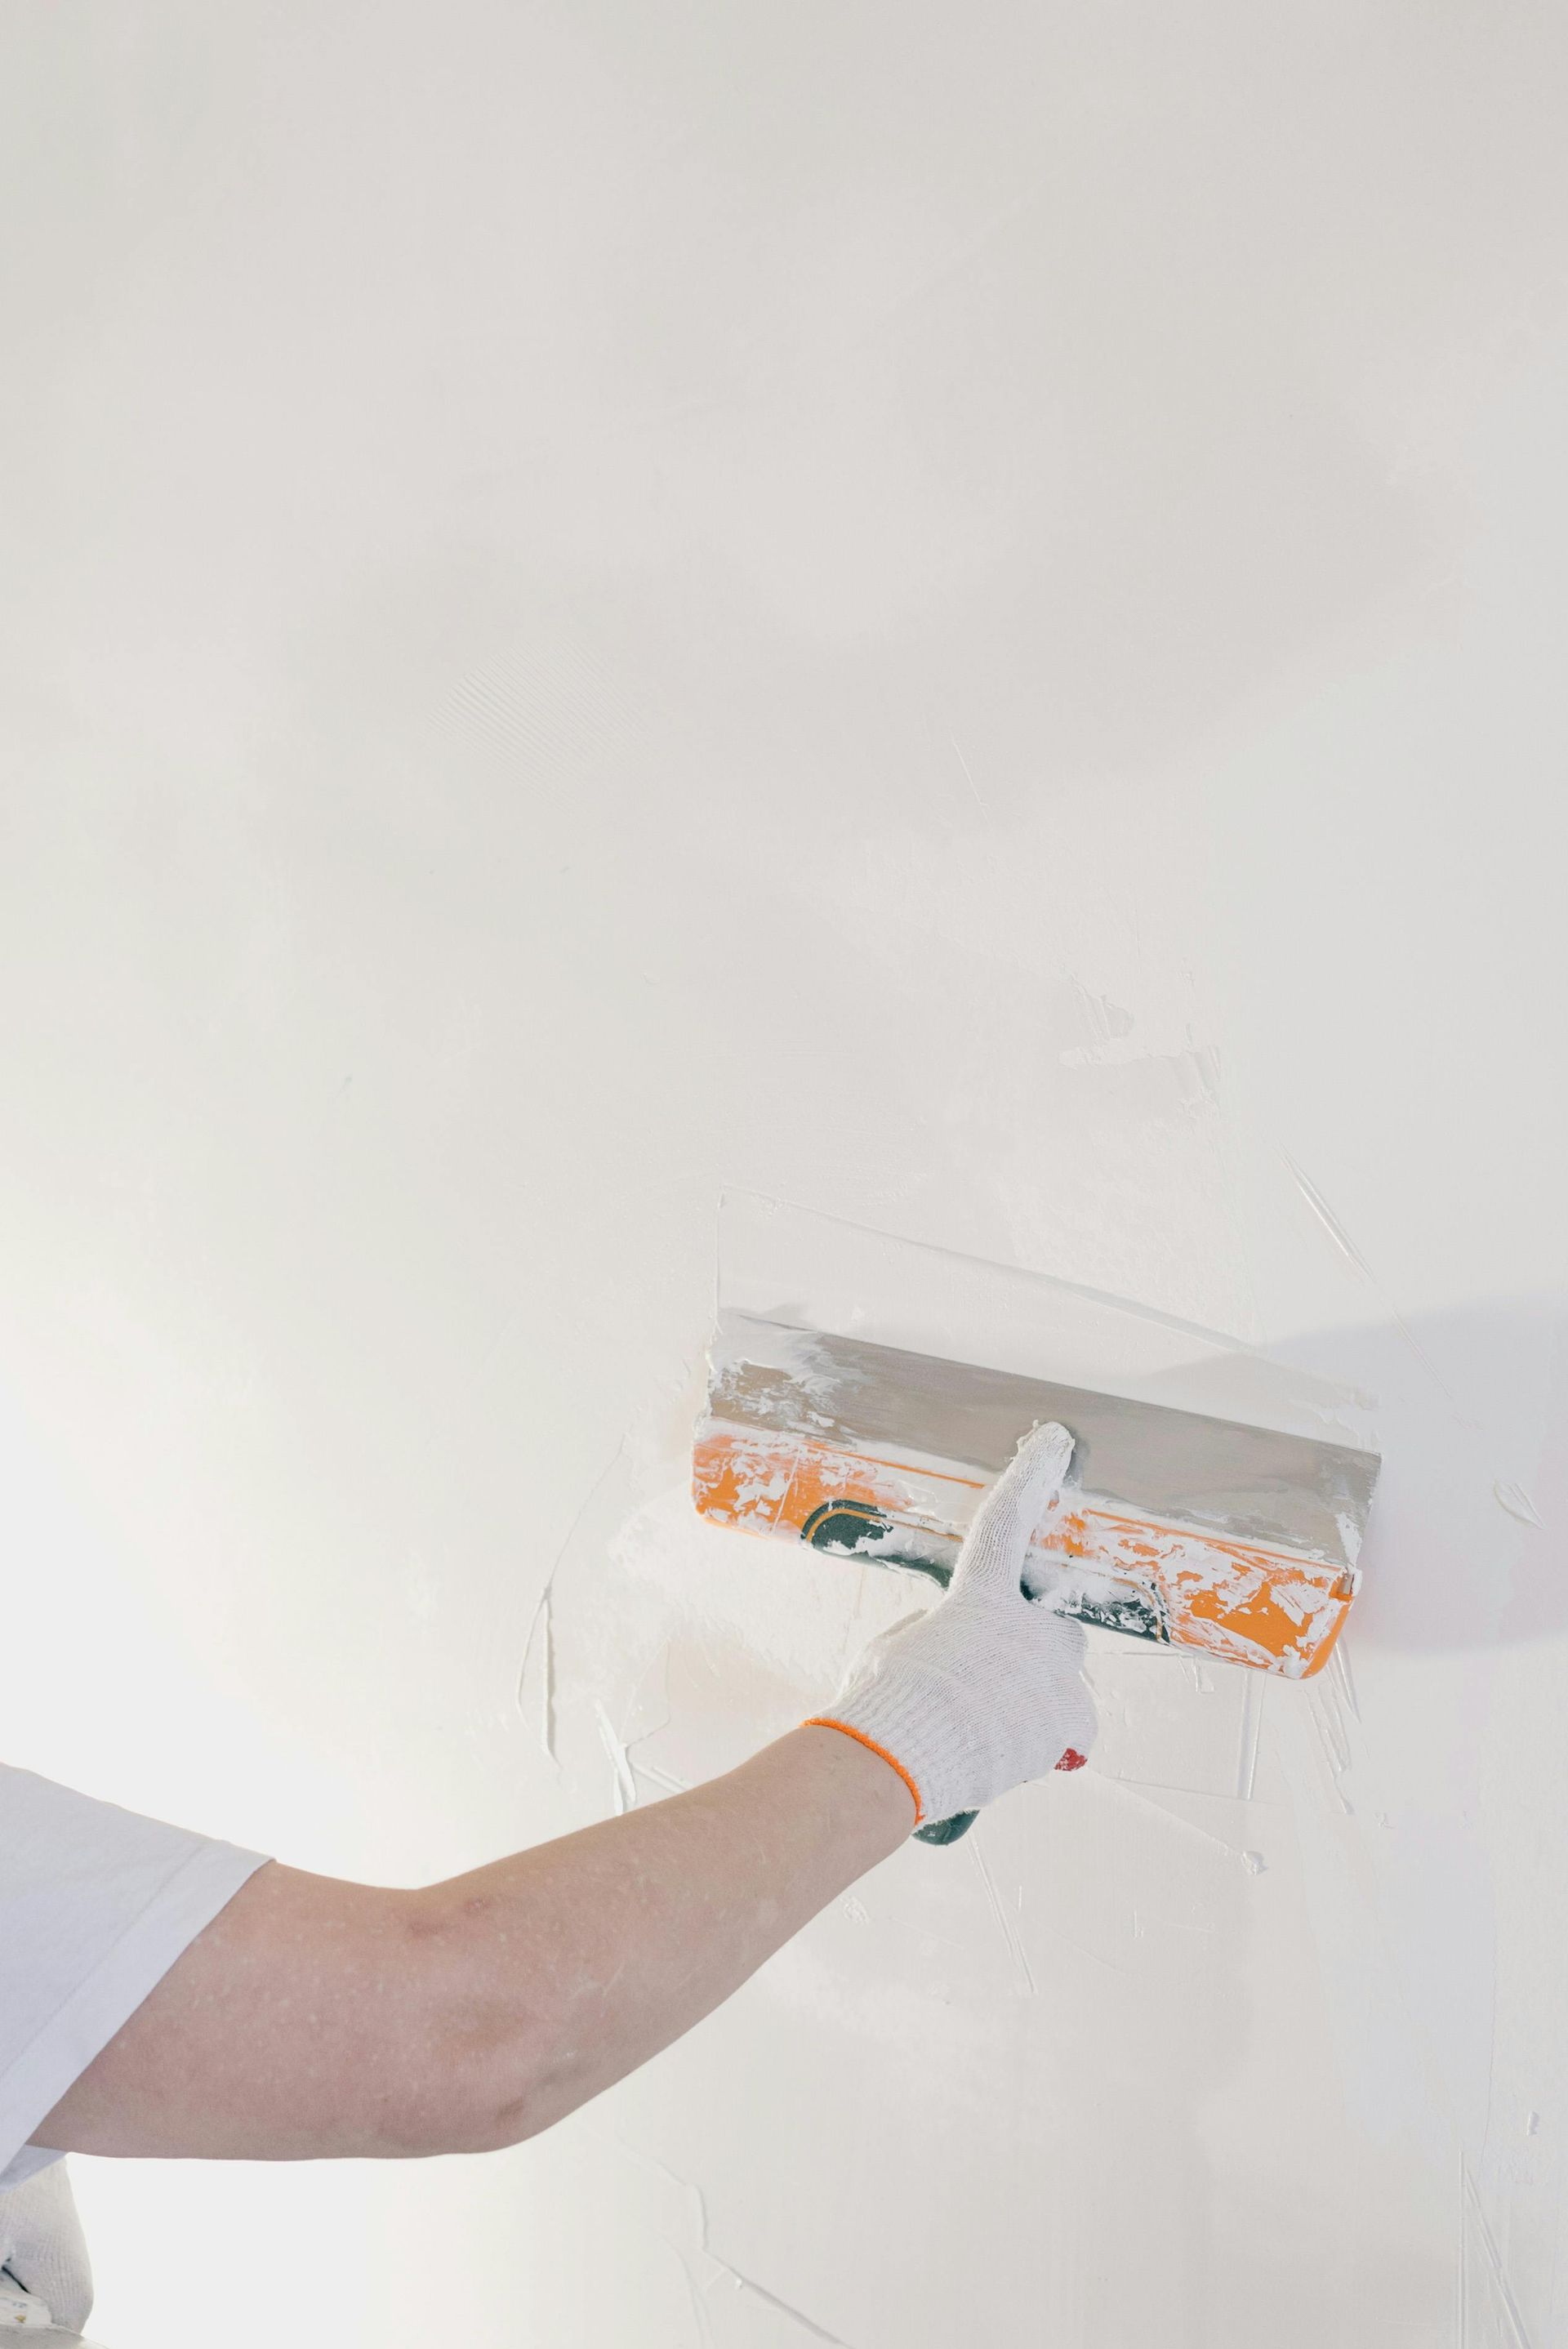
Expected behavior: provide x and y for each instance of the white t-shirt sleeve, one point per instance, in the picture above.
(96, 1904)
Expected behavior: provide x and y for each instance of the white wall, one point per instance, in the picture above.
(956, 615)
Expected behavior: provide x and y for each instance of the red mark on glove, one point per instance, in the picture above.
(1072, 1759)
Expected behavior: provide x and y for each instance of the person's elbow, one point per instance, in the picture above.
(497, 2056)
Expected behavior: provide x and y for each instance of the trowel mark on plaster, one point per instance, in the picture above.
(1250, 1860)
(853, 1637)
(1247, 1737)
(744, 2283)
(1196, 1068)
(734, 2275)
(1518, 1503)
(1339, 1672)
(1329, 1220)
(694, 2197)
(543, 1622)
(1009, 1931)
(1475, 2230)
(1167, 1925)
(1353, 1256)
(543, 1619)
(1081, 1948)
(1329, 1722)
(969, 778)
(1108, 1024)
(622, 1749)
(1330, 1727)
(700, 2316)
(626, 1785)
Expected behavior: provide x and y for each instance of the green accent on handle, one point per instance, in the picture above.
(947, 1830)
(847, 1528)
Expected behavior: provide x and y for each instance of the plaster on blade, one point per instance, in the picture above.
(1202, 1532)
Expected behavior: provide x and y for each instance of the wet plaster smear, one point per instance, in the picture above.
(953, 616)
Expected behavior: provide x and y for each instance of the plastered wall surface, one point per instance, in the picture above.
(955, 615)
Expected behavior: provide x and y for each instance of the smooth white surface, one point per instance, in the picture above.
(793, 1267)
(955, 615)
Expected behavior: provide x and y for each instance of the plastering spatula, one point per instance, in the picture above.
(1194, 1531)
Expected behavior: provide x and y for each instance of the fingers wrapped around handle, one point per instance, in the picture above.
(997, 1546)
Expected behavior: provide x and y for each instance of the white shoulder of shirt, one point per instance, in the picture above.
(95, 1905)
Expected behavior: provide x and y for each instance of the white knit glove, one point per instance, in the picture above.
(41, 2247)
(985, 1690)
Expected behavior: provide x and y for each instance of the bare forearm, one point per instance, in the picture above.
(636, 1929)
(314, 2017)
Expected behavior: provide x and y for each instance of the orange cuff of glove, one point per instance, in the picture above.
(826, 1720)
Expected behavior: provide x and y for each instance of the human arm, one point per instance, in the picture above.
(314, 2018)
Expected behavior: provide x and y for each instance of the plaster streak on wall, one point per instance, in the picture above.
(757, 2292)
(968, 778)
(1328, 1720)
(1172, 1731)
(1328, 1220)
(721, 2270)
(1006, 1925)
(1340, 1673)
(1489, 2313)
(1194, 1071)
(646, 1716)
(1249, 1731)
(1113, 1043)
(1346, 1247)
(542, 1624)
(690, 2255)
(1109, 1025)
(543, 1628)
(1187, 1827)
(1518, 1503)
(699, 2308)
(624, 1786)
